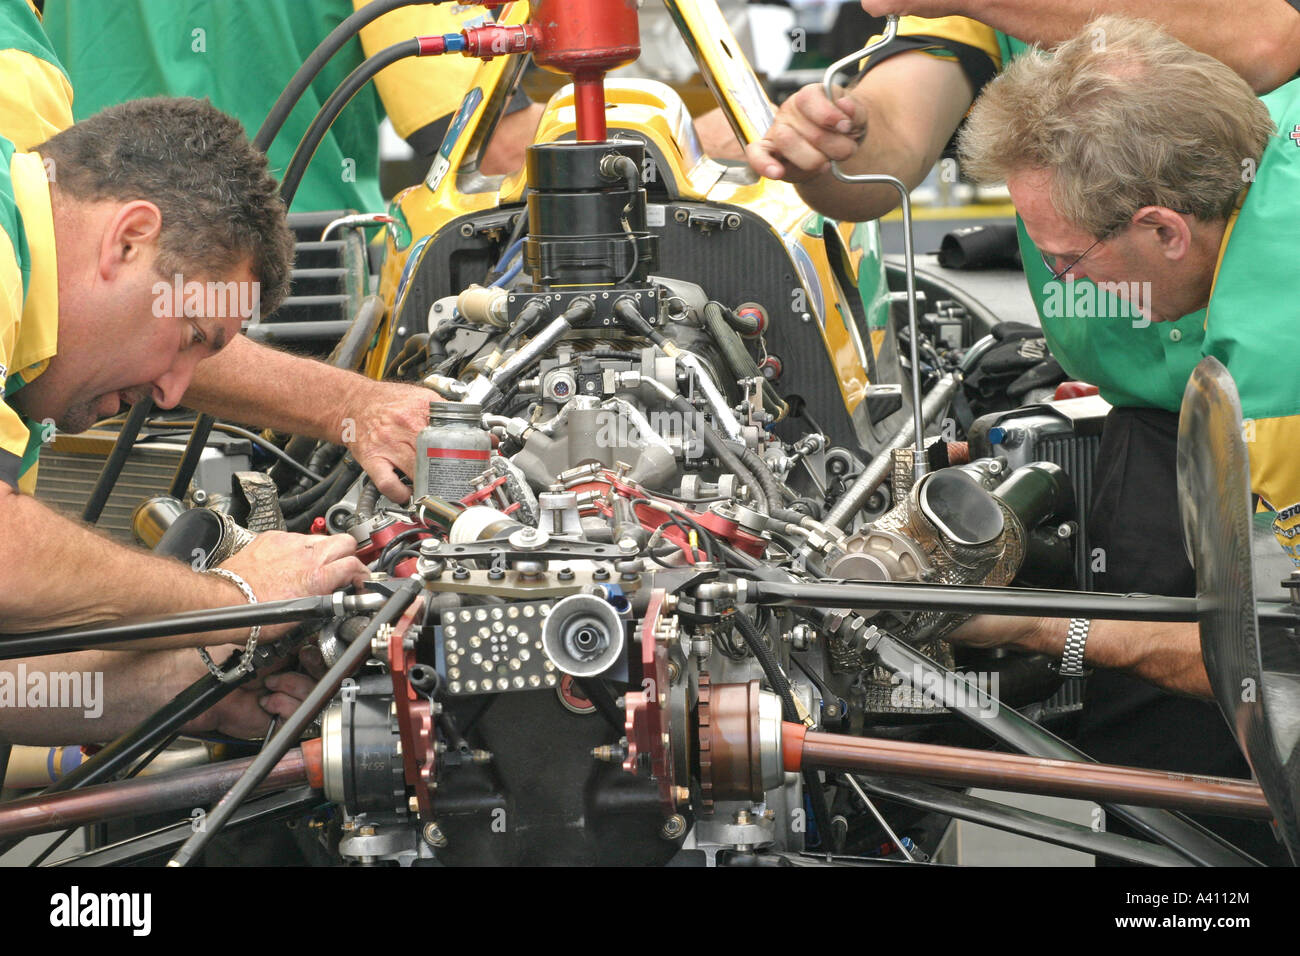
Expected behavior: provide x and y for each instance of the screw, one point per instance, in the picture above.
(565, 574)
(413, 804)
(673, 827)
(434, 836)
(743, 818)
(461, 574)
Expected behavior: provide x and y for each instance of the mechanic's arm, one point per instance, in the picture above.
(58, 573)
(119, 689)
(262, 386)
(1165, 654)
(1263, 46)
(897, 120)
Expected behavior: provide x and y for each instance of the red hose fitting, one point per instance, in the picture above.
(432, 45)
(485, 42)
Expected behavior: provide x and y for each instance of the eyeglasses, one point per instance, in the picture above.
(1057, 274)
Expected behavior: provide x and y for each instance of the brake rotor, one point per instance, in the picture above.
(1262, 706)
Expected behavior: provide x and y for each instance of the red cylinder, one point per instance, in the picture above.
(586, 39)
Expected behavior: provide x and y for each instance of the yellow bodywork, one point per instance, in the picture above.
(653, 111)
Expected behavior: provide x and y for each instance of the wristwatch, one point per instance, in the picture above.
(1072, 660)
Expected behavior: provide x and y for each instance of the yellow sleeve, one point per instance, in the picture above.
(962, 30)
(13, 432)
(35, 99)
(419, 90)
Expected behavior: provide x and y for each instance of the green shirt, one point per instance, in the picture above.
(241, 55)
(1097, 339)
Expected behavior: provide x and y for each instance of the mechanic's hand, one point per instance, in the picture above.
(279, 565)
(808, 132)
(998, 630)
(246, 712)
(381, 430)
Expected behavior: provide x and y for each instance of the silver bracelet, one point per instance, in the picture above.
(1076, 640)
(245, 665)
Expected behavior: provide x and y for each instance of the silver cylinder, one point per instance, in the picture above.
(152, 518)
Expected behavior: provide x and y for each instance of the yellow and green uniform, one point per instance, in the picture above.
(242, 53)
(35, 95)
(1245, 326)
(1253, 321)
(1132, 364)
(29, 304)
(35, 103)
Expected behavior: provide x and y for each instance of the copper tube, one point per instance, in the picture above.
(999, 771)
(186, 790)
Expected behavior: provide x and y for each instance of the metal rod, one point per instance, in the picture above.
(190, 622)
(909, 256)
(989, 813)
(198, 440)
(1001, 771)
(263, 810)
(851, 502)
(405, 593)
(969, 702)
(116, 460)
(589, 104)
(117, 757)
(889, 831)
(185, 789)
(1020, 602)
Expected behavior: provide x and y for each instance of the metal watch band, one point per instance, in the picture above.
(1072, 659)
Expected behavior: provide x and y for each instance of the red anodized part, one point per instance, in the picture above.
(414, 716)
(586, 39)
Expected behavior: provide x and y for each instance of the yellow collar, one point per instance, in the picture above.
(1223, 248)
(38, 335)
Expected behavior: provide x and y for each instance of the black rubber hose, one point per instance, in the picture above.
(719, 321)
(329, 112)
(766, 480)
(301, 523)
(311, 67)
(367, 501)
(768, 662)
(291, 505)
(112, 469)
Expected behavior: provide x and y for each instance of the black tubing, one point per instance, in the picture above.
(333, 106)
(311, 67)
(291, 505)
(301, 523)
(190, 459)
(766, 480)
(116, 461)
